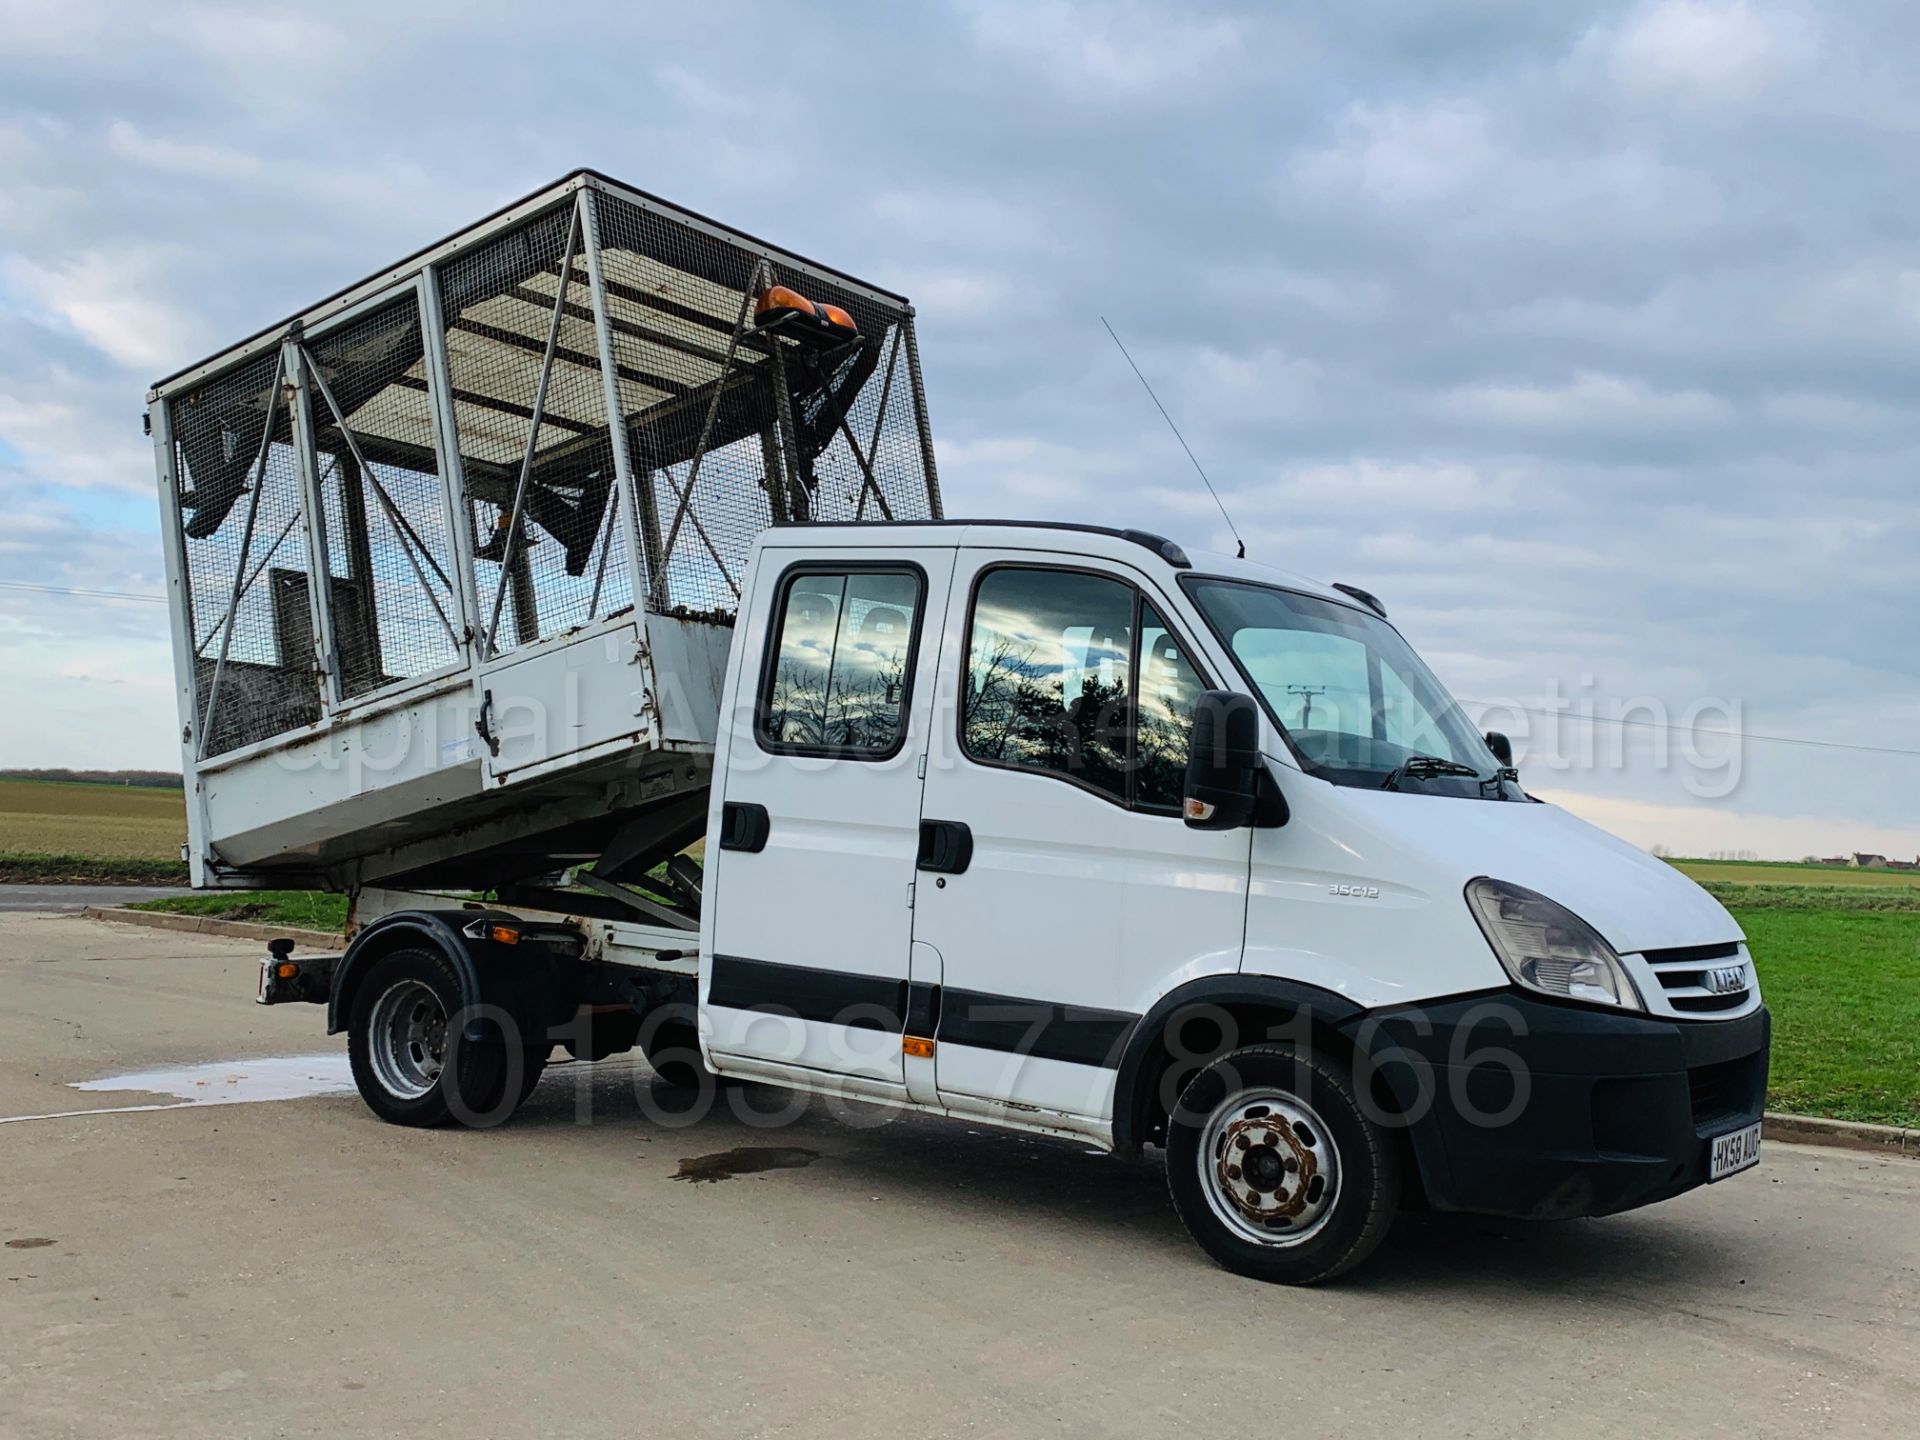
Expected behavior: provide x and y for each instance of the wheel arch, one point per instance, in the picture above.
(1251, 1007)
(1256, 1005)
(513, 977)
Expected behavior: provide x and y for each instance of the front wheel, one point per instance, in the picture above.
(1276, 1169)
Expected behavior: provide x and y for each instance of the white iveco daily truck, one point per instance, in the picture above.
(600, 538)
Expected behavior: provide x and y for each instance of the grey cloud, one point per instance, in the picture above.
(1584, 333)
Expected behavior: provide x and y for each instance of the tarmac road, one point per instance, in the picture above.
(296, 1268)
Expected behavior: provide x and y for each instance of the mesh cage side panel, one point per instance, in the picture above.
(707, 419)
(864, 432)
(270, 682)
(392, 593)
(673, 330)
(569, 564)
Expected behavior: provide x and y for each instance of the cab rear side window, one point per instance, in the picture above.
(840, 662)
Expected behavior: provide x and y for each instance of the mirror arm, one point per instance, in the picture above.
(1270, 808)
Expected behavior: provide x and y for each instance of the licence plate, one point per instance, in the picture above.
(1733, 1153)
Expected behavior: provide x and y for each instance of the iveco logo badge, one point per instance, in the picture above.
(1355, 892)
(1726, 979)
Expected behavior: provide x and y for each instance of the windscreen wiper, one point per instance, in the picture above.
(1494, 787)
(1425, 767)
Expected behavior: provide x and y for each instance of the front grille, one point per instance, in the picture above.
(1724, 1091)
(1708, 1004)
(1688, 973)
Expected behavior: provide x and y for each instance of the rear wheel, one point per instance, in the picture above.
(534, 1065)
(670, 1040)
(1276, 1169)
(413, 1063)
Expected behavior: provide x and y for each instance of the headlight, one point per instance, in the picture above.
(1548, 948)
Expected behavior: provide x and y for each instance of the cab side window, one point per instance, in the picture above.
(839, 663)
(1059, 665)
(1169, 687)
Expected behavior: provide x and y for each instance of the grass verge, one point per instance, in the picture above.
(295, 909)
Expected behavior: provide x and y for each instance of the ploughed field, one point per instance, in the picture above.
(65, 830)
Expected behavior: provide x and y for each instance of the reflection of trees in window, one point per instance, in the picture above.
(797, 710)
(863, 709)
(1169, 687)
(839, 679)
(1027, 702)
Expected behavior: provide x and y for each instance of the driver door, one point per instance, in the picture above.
(1083, 896)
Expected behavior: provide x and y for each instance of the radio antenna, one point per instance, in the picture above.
(1181, 438)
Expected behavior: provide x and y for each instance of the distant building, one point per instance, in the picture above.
(1864, 861)
(1913, 864)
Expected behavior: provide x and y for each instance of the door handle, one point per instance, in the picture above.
(946, 847)
(744, 826)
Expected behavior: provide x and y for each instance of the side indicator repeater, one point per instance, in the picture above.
(917, 1046)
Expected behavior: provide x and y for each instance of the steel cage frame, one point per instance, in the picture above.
(419, 277)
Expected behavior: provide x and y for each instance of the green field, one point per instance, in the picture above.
(111, 822)
(1771, 872)
(54, 830)
(1844, 988)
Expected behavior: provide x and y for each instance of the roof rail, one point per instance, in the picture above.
(1166, 549)
(1365, 597)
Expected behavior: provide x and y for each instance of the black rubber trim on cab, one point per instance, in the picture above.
(923, 1008)
(832, 997)
(1014, 1024)
(1077, 1034)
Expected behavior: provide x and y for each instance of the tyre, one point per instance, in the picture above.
(1275, 1168)
(413, 1066)
(534, 1065)
(670, 1040)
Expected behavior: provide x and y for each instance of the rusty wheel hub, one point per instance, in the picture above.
(1269, 1166)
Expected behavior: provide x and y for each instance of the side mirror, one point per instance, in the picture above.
(1501, 747)
(1223, 763)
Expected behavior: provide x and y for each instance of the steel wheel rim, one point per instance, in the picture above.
(407, 1039)
(1269, 1168)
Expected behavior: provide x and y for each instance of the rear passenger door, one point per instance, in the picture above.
(806, 964)
(1069, 695)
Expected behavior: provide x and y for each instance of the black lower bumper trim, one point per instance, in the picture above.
(1535, 1110)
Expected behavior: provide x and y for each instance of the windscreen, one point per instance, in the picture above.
(1352, 697)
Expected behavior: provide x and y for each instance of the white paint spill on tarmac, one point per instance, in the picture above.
(224, 1082)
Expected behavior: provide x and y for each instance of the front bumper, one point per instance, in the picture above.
(1526, 1108)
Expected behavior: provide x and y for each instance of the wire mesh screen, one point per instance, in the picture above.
(535, 445)
(740, 415)
(246, 557)
(751, 391)
(394, 605)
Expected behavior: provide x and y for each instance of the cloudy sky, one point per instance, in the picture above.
(1587, 335)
